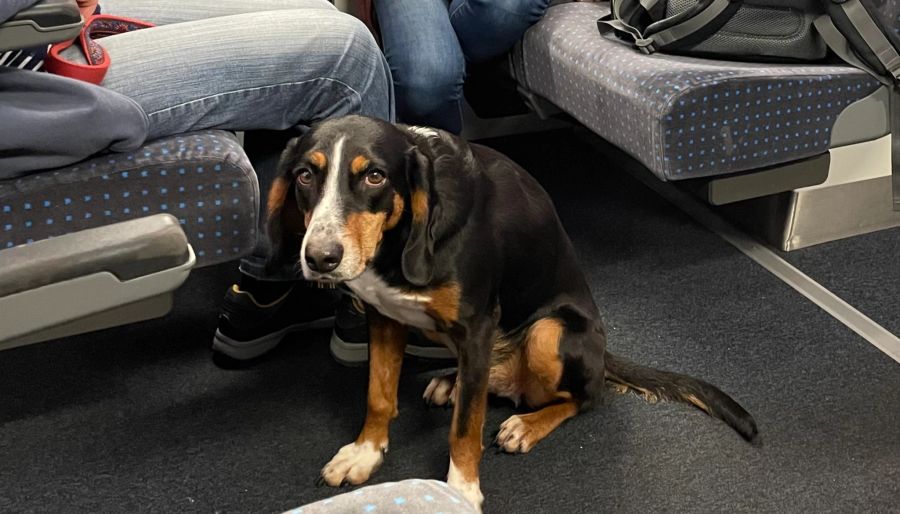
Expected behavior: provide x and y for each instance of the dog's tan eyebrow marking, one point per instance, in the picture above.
(318, 159)
(419, 206)
(358, 164)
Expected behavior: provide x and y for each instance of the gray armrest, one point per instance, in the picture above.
(91, 279)
(127, 250)
(46, 22)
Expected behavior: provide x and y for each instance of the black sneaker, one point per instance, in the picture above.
(350, 339)
(248, 328)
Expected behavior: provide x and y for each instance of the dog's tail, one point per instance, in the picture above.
(656, 385)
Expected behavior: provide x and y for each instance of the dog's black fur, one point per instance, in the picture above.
(492, 233)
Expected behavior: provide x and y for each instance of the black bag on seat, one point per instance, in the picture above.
(864, 33)
(865, 29)
(758, 30)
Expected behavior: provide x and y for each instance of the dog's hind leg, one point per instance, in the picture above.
(519, 433)
(441, 390)
(540, 374)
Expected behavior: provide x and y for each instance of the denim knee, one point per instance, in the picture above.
(529, 10)
(363, 66)
(429, 85)
(488, 28)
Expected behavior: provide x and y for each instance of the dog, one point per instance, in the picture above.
(457, 242)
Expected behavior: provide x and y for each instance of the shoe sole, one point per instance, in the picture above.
(430, 352)
(348, 354)
(246, 350)
(357, 354)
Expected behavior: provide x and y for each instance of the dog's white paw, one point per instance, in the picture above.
(470, 490)
(441, 391)
(515, 436)
(353, 464)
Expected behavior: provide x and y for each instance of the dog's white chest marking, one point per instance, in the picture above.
(407, 308)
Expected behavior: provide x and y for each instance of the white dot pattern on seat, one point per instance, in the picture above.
(204, 179)
(888, 13)
(683, 117)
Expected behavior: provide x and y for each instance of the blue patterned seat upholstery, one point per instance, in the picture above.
(683, 117)
(204, 179)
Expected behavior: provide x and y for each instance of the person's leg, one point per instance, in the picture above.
(226, 72)
(426, 61)
(267, 70)
(165, 12)
(488, 28)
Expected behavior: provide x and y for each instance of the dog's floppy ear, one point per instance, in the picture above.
(418, 254)
(284, 223)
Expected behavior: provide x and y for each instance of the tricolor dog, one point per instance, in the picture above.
(457, 242)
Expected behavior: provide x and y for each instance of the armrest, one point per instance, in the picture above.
(126, 250)
(44, 23)
(92, 279)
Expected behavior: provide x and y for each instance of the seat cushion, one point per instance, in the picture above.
(204, 179)
(683, 117)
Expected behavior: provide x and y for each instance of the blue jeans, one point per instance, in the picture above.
(428, 42)
(245, 65)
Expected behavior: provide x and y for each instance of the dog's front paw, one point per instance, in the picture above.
(353, 464)
(441, 391)
(516, 436)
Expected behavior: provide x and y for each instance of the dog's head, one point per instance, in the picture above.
(340, 188)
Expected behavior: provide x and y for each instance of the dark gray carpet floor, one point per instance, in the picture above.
(863, 270)
(139, 419)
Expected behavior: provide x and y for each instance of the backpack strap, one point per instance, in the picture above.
(703, 23)
(624, 18)
(873, 36)
(669, 33)
(889, 58)
(842, 48)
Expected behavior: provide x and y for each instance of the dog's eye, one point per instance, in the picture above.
(304, 177)
(375, 178)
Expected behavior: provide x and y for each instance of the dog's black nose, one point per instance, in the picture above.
(324, 258)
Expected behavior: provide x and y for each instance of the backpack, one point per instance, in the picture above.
(758, 30)
(863, 33)
(860, 33)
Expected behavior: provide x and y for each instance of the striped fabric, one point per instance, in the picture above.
(28, 58)
(25, 59)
